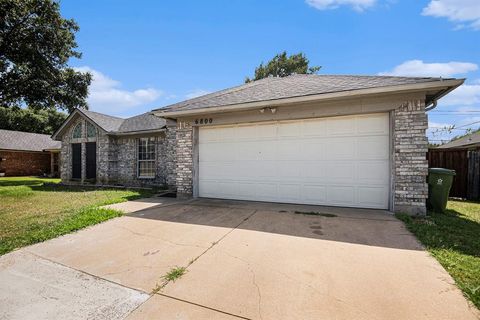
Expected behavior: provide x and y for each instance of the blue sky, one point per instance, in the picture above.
(147, 54)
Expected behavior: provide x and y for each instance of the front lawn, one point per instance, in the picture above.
(454, 240)
(31, 212)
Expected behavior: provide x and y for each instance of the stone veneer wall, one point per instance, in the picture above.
(117, 158)
(184, 156)
(410, 164)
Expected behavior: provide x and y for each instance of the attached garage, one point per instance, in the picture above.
(340, 161)
(336, 140)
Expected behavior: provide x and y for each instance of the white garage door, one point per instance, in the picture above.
(339, 161)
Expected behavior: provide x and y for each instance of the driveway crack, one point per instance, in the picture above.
(165, 283)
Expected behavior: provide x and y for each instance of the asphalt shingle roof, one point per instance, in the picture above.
(143, 122)
(273, 88)
(26, 141)
(471, 139)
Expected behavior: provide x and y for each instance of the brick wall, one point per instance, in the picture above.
(184, 163)
(410, 164)
(22, 163)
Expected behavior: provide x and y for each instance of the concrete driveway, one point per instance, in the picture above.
(244, 260)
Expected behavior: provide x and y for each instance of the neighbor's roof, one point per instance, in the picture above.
(26, 141)
(464, 142)
(116, 125)
(299, 85)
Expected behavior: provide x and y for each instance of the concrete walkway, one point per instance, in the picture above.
(244, 260)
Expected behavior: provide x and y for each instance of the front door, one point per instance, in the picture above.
(91, 172)
(76, 160)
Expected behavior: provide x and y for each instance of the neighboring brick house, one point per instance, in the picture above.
(353, 141)
(28, 154)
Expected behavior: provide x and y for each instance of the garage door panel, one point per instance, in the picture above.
(376, 172)
(341, 195)
(289, 192)
(245, 190)
(314, 128)
(314, 150)
(340, 172)
(290, 129)
(218, 151)
(266, 131)
(341, 126)
(313, 170)
(314, 193)
(340, 161)
(289, 170)
(209, 135)
(373, 124)
(373, 147)
(266, 191)
(340, 148)
(373, 197)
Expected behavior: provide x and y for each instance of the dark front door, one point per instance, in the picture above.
(76, 160)
(91, 172)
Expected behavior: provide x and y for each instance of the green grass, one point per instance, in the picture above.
(32, 212)
(174, 274)
(453, 239)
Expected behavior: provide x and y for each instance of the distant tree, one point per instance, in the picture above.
(35, 46)
(282, 65)
(31, 120)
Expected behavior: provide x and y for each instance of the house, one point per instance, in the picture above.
(106, 150)
(469, 142)
(353, 141)
(27, 154)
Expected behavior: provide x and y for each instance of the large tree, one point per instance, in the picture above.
(282, 65)
(31, 120)
(36, 44)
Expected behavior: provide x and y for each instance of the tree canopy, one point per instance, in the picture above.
(36, 44)
(31, 120)
(282, 65)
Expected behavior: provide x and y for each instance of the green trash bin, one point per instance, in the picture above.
(439, 184)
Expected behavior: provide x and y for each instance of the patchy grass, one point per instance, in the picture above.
(453, 239)
(313, 213)
(31, 212)
(172, 275)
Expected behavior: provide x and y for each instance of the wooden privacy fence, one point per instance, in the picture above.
(466, 164)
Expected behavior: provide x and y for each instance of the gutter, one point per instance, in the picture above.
(445, 85)
(112, 133)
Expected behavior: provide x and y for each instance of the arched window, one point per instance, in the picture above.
(91, 130)
(77, 131)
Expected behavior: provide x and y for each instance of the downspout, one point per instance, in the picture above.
(433, 106)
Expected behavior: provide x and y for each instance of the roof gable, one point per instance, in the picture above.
(115, 125)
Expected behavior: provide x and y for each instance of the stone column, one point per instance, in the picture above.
(410, 163)
(184, 156)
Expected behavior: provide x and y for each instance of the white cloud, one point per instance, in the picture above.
(413, 68)
(358, 5)
(196, 93)
(106, 95)
(458, 11)
(465, 95)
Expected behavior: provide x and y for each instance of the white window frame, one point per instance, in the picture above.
(154, 160)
